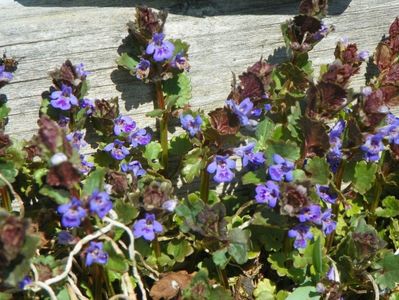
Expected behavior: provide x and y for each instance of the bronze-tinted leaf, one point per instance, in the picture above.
(224, 121)
(250, 86)
(354, 135)
(391, 95)
(305, 25)
(392, 77)
(119, 182)
(5, 142)
(147, 22)
(316, 137)
(12, 236)
(63, 175)
(170, 285)
(394, 44)
(156, 194)
(295, 197)
(49, 133)
(332, 95)
(339, 73)
(394, 28)
(383, 56)
(349, 54)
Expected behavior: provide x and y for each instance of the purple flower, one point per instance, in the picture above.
(26, 280)
(222, 165)
(242, 110)
(302, 234)
(267, 193)
(334, 157)
(391, 131)
(139, 137)
(87, 104)
(363, 55)
(63, 99)
(268, 107)
(336, 132)
(117, 150)
(373, 147)
(5, 76)
(96, 254)
(143, 69)
(311, 213)
(72, 213)
(100, 203)
(77, 139)
(161, 49)
(63, 121)
(322, 32)
(282, 169)
(248, 156)
(169, 205)
(133, 167)
(191, 124)
(65, 238)
(180, 62)
(147, 227)
(123, 125)
(331, 275)
(326, 194)
(328, 224)
(80, 70)
(367, 91)
(85, 166)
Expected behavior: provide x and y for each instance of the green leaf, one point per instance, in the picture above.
(58, 195)
(116, 262)
(180, 46)
(192, 164)
(391, 208)
(63, 295)
(38, 175)
(8, 171)
(155, 113)
(179, 249)
(152, 153)
(180, 145)
(219, 258)
(364, 176)
(264, 131)
(238, 246)
(304, 293)
(265, 290)
(4, 111)
(177, 90)
(127, 62)
(95, 181)
(288, 150)
(319, 169)
(317, 258)
(254, 177)
(126, 211)
(388, 275)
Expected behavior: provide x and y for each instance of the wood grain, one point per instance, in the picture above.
(225, 37)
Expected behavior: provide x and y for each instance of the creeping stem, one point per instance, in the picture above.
(163, 123)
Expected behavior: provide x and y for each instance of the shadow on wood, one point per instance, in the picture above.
(198, 8)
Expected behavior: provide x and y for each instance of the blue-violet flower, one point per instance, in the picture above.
(282, 169)
(373, 147)
(267, 193)
(134, 167)
(117, 150)
(143, 69)
(124, 124)
(222, 165)
(147, 227)
(161, 49)
(100, 203)
(248, 156)
(191, 124)
(326, 194)
(72, 213)
(63, 99)
(302, 234)
(96, 254)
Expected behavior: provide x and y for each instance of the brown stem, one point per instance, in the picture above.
(163, 124)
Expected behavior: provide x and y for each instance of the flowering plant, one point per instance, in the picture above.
(287, 191)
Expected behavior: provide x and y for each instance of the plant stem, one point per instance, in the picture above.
(222, 277)
(156, 247)
(335, 207)
(97, 282)
(378, 190)
(5, 199)
(204, 189)
(163, 124)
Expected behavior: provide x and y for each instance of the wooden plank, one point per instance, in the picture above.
(225, 37)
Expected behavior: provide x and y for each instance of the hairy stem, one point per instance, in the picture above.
(335, 207)
(163, 124)
(204, 189)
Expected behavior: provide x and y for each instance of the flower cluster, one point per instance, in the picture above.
(74, 212)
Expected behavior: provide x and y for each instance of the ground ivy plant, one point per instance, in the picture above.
(286, 191)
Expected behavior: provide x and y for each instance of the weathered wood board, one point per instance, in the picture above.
(225, 37)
